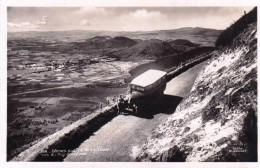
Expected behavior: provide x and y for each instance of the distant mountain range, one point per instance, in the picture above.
(129, 46)
(202, 36)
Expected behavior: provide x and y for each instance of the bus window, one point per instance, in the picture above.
(149, 87)
(158, 82)
(152, 86)
(140, 88)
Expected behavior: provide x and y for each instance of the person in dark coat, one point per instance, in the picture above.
(121, 105)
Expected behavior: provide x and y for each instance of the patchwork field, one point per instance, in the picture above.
(48, 90)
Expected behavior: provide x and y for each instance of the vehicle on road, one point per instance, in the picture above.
(146, 89)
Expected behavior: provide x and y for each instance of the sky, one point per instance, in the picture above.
(120, 18)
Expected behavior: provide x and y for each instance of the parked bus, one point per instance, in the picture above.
(146, 89)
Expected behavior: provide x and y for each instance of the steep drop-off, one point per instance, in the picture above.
(217, 120)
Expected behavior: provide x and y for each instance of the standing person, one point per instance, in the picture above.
(107, 100)
(100, 105)
(118, 108)
(120, 105)
(113, 100)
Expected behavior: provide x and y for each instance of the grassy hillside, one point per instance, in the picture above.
(151, 49)
(119, 42)
(233, 30)
(182, 45)
(127, 49)
(104, 44)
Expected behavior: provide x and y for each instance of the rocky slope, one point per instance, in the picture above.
(216, 121)
(233, 30)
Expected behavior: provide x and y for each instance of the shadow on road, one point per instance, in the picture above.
(62, 148)
(166, 105)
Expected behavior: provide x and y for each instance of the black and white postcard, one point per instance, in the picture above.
(122, 82)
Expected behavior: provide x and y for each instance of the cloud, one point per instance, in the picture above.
(10, 24)
(27, 26)
(84, 22)
(141, 19)
(90, 11)
(43, 21)
(144, 14)
(120, 18)
(20, 25)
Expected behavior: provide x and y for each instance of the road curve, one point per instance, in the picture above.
(121, 138)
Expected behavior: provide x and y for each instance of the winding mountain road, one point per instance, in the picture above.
(122, 138)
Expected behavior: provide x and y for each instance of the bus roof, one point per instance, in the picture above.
(148, 77)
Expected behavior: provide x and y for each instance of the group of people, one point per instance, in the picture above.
(108, 102)
(125, 105)
(122, 105)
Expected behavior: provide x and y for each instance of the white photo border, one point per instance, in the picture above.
(100, 3)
